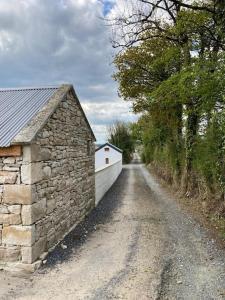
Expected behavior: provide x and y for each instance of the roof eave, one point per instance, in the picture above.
(110, 145)
(30, 131)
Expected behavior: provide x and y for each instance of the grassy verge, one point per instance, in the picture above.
(205, 210)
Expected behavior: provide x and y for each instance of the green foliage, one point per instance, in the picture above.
(210, 152)
(142, 69)
(120, 136)
(176, 78)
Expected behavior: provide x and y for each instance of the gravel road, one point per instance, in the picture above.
(137, 244)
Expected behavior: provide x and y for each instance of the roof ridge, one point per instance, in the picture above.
(30, 88)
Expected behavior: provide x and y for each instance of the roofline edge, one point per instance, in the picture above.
(110, 145)
(84, 115)
(30, 131)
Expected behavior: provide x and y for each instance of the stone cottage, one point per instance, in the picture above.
(47, 183)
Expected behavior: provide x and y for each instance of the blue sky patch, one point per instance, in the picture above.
(107, 6)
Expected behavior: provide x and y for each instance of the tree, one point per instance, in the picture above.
(141, 70)
(142, 20)
(120, 136)
(172, 68)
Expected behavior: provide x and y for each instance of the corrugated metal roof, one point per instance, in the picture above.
(18, 106)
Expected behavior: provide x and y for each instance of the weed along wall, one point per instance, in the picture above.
(105, 177)
(46, 187)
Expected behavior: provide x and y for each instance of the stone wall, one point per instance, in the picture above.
(10, 209)
(46, 190)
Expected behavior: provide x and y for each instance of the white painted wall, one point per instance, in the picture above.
(101, 155)
(105, 177)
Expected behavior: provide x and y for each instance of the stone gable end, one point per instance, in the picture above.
(46, 188)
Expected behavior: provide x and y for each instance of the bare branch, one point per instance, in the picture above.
(194, 7)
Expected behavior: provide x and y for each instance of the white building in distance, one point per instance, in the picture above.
(107, 154)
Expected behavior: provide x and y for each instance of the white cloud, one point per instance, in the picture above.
(46, 42)
(102, 115)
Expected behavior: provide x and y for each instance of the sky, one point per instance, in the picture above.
(49, 42)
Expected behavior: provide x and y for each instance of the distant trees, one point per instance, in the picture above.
(120, 136)
(172, 67)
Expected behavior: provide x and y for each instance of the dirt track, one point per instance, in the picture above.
(137, 244)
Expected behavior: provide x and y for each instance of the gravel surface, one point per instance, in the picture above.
(137, 244)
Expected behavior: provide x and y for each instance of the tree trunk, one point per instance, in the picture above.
(179, 145)
(191, 135)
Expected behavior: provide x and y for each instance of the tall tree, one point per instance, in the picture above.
(195, 32)
(120, 136)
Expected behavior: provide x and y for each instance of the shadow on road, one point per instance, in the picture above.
(99, 215)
